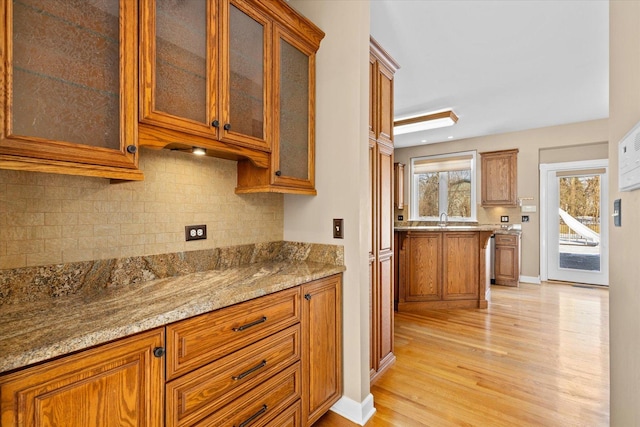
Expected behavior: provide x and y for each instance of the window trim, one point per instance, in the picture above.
(414, 186)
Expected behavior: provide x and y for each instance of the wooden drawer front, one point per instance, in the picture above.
(259, 406)
(290, 417)
(206, 390)
(195, 342)
(506, 239)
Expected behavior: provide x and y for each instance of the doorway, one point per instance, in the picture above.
(574, 222)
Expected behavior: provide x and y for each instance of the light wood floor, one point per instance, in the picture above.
(538, 356)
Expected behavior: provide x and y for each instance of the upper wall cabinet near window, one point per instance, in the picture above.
(210, 75)
(500, 178)
(69, 87)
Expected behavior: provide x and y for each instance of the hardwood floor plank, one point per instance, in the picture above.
(538, 356)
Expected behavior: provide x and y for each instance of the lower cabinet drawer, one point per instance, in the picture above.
(195, 342)
(290, 417)
(208, 389)
(258, 407)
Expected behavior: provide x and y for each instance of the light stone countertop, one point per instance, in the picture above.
(40, 330)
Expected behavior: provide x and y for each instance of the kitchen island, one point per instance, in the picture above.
(442, 267)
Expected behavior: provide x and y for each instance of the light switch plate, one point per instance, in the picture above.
(528, 208)
(504, 218)
(338, 231)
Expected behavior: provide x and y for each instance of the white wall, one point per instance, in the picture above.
(624, 242)
(342, 105)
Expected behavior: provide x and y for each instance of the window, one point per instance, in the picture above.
(444, 183)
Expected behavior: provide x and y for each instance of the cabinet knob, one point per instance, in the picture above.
(132, 149)
(215, 123)
(227, 126)
(278, 173)
(307, 297)
(158, 351)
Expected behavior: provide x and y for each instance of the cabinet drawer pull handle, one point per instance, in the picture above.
(278, 173)
(132, 149)
(158, 351)
(253, 417)
(250, 371)
(215, 123)
(248, 325)
(227, 126)
(307, 297)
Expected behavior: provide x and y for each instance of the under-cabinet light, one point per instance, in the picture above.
(198, 151)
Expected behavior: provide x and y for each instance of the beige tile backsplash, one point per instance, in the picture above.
(52, 219)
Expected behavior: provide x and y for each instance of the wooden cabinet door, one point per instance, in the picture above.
(293, 151)
(179, 53)
(507, 262)
(246, 68)
(322, 347)
(424, 281)
(461, 260)
(385, 104)
(499, 178)
(68, 98)
(117, 384)
(206, 70)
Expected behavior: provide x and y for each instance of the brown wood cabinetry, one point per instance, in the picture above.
(69, 88)
(271, 361)
(399, 185)
(292, 162)
(381, 170)
(442, 269)
(86, 85)
(116, 384)
(507, 259)
(500, 178)
(230, 363)
(240, 83)
(322, 347)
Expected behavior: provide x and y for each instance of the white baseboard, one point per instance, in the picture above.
(530, 279)
(358, 413)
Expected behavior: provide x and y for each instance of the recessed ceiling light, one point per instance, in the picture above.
(450, 137)
(424, 140)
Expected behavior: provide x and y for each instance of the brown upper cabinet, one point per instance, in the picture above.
(69, 87)
(500, 178)
(236, 77)
(86, 85)
(205, 72)
(292, 162)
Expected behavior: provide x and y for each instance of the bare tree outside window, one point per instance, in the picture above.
(443, 183)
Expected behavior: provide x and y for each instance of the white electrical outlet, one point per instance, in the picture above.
(528, 208)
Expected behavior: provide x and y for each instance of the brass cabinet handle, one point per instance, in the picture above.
(253, 417)
(249, 371)
(248, 325)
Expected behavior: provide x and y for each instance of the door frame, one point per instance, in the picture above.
(545, 168)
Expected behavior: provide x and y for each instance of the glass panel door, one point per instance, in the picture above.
(181, 59)
(66, 64)
(576, 222)
(294, 112)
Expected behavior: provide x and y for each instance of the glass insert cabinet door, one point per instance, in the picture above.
(205, 69)
(294, 139)
(66, 98)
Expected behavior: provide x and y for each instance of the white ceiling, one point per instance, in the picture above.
(502, 66)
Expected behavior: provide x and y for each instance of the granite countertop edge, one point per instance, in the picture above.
(35, 332)
(458, 228)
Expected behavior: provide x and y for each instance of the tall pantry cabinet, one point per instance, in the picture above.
(381, 70)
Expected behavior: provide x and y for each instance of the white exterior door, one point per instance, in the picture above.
(574, 222)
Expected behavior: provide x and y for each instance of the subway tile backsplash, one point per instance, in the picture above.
(50, 219)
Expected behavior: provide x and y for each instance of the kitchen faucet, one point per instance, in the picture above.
(443, 223)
